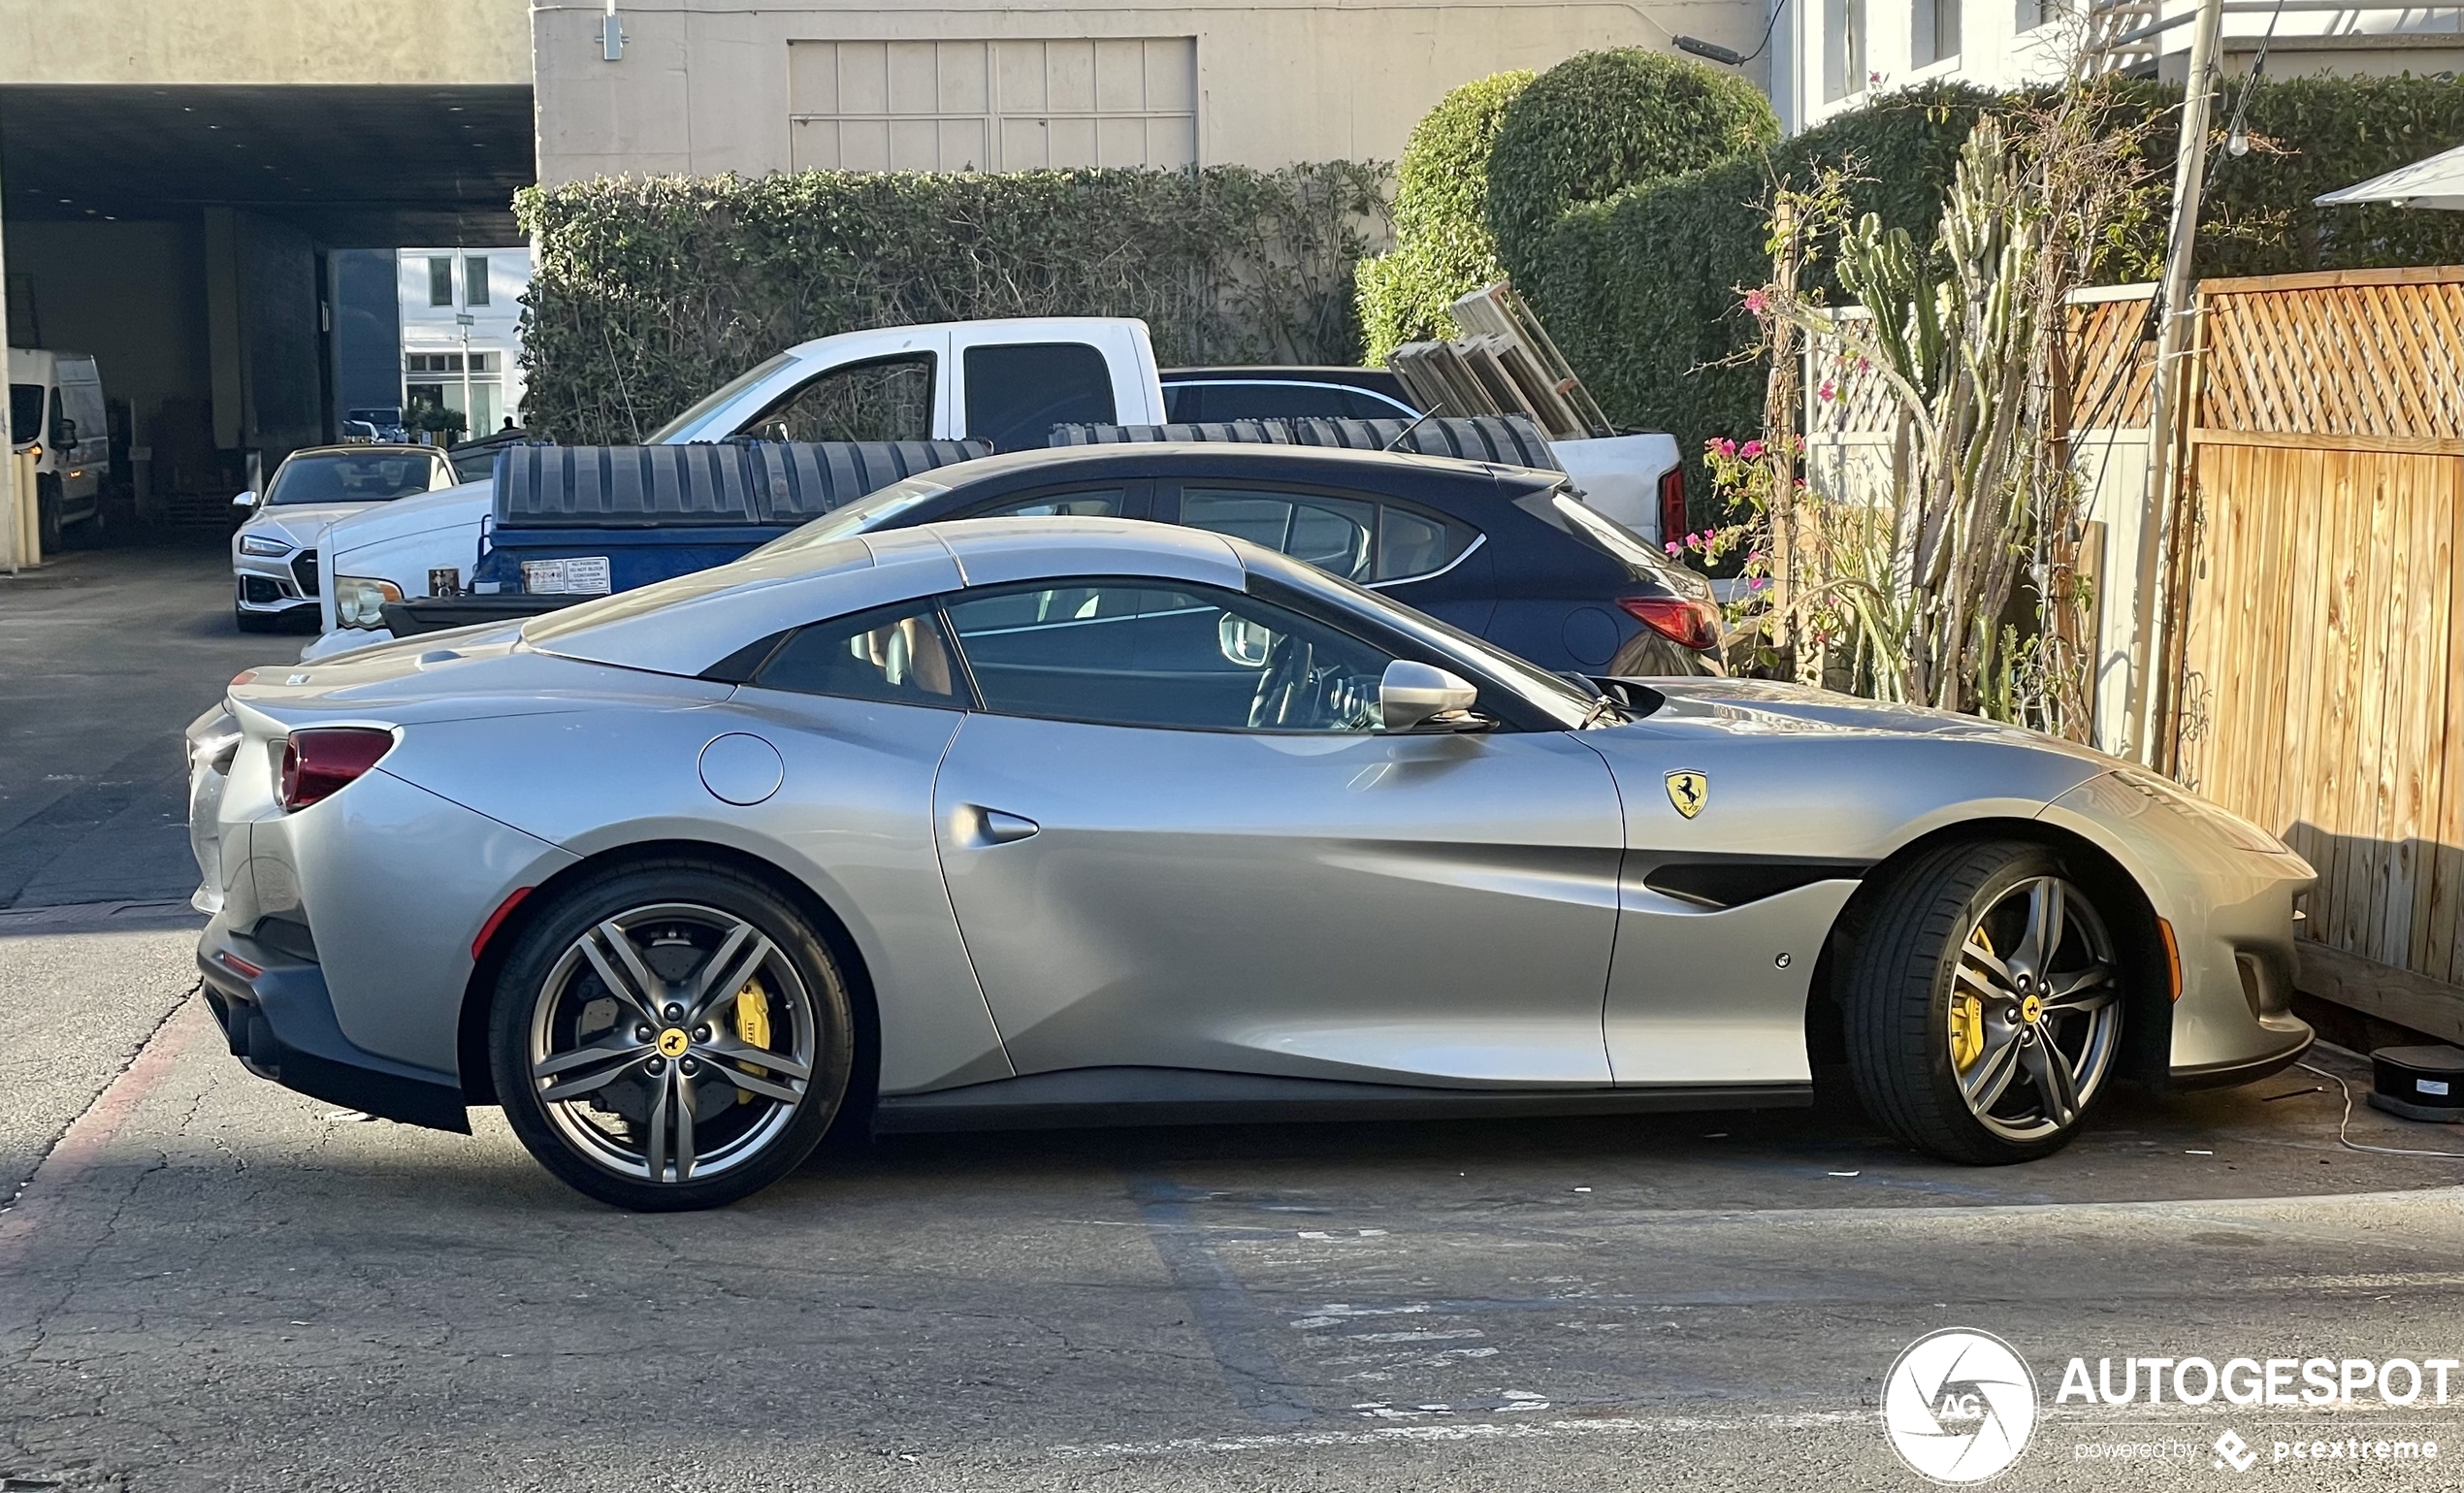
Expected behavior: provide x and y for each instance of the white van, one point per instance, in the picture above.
(55, 409)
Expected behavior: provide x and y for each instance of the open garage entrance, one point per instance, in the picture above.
(225, 254)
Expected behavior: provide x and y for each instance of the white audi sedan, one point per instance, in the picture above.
(273, 554)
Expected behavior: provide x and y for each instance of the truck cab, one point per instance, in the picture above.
(1004, 381)
(55, 410)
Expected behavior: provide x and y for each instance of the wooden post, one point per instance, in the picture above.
(1780, 395)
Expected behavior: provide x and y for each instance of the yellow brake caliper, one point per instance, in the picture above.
(1967, 1019)
(752, 1026)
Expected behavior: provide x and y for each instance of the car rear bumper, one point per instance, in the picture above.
(278, 1019)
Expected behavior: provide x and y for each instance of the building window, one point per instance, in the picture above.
(1938, 31)
(993, 106)
(2032, 13)
(1844, 66)
(440, 282)
(474, 279)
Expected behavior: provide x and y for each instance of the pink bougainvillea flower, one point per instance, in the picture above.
(1754, 301)
(1675, 548)
(1725, 446)
(1751, 450)
(1825, 393)
(1756, 584)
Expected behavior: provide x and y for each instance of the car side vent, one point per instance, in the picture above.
(1735, 883)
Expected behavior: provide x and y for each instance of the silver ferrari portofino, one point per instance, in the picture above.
(1038, 820)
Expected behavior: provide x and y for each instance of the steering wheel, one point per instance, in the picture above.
(1284, 685)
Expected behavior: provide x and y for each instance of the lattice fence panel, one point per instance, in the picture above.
(2378, 354)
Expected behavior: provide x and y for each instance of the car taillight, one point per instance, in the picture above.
(318, 764)
(1672, 503)
(1682, 620)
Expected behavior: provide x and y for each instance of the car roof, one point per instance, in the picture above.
(1382, 380)
(364, 447)
(1235, 458)
(684, 625)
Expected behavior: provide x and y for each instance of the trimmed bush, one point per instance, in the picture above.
(1641, 290)
(1442, 249)
(650, 293)
(1602, 121)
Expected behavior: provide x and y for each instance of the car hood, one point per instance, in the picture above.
(1763, 706)
(447, 507)
(304, 522)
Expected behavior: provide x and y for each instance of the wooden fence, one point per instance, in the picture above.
(2320, 630)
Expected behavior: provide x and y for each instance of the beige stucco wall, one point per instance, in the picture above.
(265, 42)
(703, 88)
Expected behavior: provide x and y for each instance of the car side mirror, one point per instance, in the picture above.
(1411, 696)
(1241, 641)
(244, 501)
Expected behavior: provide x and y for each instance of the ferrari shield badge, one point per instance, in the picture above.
(1689, 791)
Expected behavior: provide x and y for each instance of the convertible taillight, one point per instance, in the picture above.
(1672, 503)
(318, 764)
(1683, 620)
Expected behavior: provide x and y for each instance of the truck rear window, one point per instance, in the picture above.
(1016, 393)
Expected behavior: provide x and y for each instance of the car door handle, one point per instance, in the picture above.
(991, 827)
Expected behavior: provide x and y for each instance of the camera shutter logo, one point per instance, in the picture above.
(1959, 1406)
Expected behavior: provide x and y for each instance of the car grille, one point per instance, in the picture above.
(303, 570)
(260, 590)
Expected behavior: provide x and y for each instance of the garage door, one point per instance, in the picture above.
(993, 106)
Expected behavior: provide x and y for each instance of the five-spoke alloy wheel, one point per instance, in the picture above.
(671, 1036)
(1984, 1005)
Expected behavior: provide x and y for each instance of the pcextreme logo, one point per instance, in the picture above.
(1960, 1406)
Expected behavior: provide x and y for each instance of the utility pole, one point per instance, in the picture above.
(2173, 338)
(470, 416)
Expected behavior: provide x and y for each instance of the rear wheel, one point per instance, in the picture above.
(671, 1036)
(1983, 1005)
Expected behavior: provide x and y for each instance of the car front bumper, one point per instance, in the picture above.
(270, 585)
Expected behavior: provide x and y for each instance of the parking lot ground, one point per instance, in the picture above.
(108, 654)
(212, 1283)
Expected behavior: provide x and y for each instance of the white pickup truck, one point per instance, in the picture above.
(1007, 383)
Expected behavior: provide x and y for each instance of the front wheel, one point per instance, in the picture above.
(1984, 1005)
(671, 1036)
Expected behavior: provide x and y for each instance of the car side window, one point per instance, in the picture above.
(1359, 540)
(1093, 502)
(1157, 654)
(896, 654)
(1017, 393)
(1336, 534)
(889, 399)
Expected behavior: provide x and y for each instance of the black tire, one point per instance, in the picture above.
(590, 1153)
(47, 515)
(255, 622)
(1903, 977)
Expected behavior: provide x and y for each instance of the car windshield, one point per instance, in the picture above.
(863, 516)
(25, 412)
(351, 477)
(715, 398)
(1575, 704)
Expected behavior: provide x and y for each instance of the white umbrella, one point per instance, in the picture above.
(2437, 183)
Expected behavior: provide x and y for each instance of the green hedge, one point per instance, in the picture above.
(1601, 121)
(1641, 290)
(649, 293)
(1442, 248)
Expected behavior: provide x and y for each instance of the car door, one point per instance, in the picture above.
(1424, 559)
(1174, 839)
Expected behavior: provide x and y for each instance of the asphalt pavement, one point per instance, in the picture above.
(210, 1283)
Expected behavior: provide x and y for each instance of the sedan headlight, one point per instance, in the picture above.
(263, 544)
(359, 601)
